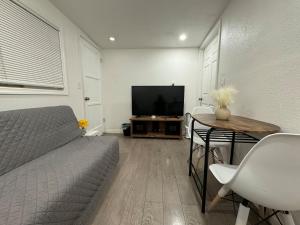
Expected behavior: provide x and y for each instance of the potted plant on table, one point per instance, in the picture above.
(223, 98)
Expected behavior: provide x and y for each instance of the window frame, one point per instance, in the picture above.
(27, 90)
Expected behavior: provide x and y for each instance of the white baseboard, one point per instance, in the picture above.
(113, 131)
(93, 133)
(97, 131)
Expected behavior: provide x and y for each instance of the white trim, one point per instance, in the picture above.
(91, 77)
(40, 91)
(63, 60)
(83, 41)
(215, 31)
(93, 103)
(33, 84)
(97, 131)
(93, 133)
(30, 91)
(113, 131)
(90, 42)
(214, 34)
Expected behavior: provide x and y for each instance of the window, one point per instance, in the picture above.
(30, 51)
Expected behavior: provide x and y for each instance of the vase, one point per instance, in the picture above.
(222, 113)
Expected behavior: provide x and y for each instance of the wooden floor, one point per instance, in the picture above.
(151, 186)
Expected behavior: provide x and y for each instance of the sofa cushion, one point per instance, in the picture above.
(29, 133)
(57, 187)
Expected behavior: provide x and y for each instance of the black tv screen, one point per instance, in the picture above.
(157, 100)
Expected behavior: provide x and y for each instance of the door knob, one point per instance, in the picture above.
(86, 98)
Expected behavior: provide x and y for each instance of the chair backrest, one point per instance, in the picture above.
(269, 175)
(199, 110)
(203, 109)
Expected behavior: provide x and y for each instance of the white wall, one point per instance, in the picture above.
(260, 56)
(71, 35)
(124, 68)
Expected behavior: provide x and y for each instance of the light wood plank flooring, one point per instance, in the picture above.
(151, 186)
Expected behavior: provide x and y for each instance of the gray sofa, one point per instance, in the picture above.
(49, 173)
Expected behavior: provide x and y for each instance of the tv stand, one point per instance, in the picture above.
(158, 127)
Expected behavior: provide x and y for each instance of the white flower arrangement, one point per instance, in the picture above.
(224, 96)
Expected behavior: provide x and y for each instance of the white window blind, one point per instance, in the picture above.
(30, 52)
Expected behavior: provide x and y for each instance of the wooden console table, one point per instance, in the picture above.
(158, 127)
(236, 130)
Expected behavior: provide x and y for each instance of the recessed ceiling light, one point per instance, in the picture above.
(112, 39)
(182, 37)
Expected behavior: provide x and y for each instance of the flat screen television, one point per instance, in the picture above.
(157, 100)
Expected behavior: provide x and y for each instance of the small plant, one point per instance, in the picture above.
(224, 96)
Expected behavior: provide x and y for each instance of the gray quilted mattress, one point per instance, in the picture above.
(58, 187)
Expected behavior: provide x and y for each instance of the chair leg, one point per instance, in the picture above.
(200, 152)
(243, 213)
(199, 155)
(288, 218)
(221, 193)
(214, 156)
(218, 154)
(214, 202)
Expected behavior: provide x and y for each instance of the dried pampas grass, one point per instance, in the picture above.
(224, 96)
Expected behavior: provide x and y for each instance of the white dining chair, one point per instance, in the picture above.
(188, 117)
(268, 176)
(219, 149)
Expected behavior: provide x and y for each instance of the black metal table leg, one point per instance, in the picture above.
(191, 148)
(206, 157)
(217, 136)
(232, 148)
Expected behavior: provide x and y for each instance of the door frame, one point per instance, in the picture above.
(99, 130)
(211, 35)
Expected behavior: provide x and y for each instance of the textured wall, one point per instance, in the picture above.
(260, 56)
(124, 68)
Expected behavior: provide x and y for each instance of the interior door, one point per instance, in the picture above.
(91, 72)
(210, 70)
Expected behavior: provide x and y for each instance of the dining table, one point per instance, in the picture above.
(237, 129)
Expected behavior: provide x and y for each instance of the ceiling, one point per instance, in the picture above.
(143, 23)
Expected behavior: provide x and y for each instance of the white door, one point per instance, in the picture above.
(210, 70)
(91, 72)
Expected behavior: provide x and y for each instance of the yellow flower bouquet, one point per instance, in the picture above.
(83, 124)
